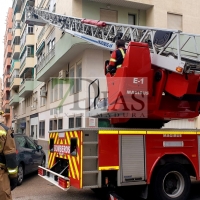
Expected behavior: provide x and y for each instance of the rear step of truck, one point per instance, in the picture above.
(54, 178)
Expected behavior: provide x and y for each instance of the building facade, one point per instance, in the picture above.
(43, 56)
(1, 100)
(6, 69)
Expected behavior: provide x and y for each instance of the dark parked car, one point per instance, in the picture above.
(29, 156)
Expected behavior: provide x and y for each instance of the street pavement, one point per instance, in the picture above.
(36, 188)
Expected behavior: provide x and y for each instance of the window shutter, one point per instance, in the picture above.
(108, 15)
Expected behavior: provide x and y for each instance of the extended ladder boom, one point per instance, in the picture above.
(170, 49)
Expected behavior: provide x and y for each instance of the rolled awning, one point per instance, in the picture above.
(39, 49)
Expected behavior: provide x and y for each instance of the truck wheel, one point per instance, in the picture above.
(171, 182)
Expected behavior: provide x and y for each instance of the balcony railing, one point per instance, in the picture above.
(45, 61)
(22, 83)
(13, 77)
(7, 110)
(7, 84)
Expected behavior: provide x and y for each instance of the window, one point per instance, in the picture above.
(174, 21)
(55, 81)
(78, 77)
(20, 141)
(51, 94)
(53, 42)
(73, 146)
(29, 29)
(60, 124)
(54, 8)
(49, 46)
(78, 121)
(9, 55)
(71, 122)
(75, 81)
(60, 89)
(9, 30)
(30, 144)
(51, 112)
(108, 15)
(42, 101)
(42, 129)
(53, 124)
(9, 42)
(71, 75)
(131, 19)
(29, 51)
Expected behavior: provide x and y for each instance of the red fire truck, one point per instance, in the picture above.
(161, 69)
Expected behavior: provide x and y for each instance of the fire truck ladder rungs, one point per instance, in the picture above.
(170, 49)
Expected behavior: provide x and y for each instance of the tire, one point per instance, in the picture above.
(43, 163)
(20, 176)
(171, 182)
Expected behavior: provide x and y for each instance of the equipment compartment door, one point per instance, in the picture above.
(132, 158)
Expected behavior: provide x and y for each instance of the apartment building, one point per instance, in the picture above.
(6, 69)
(43, 56)
(1, 100)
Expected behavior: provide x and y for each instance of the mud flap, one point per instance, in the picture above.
(113, 196)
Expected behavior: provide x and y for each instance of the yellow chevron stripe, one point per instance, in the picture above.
(51, 154)
(71, 167)
(71, 134)
(75, 166)
(54, 154)
(76, 135)
(67, 136)
(52, 161)
(81, 171)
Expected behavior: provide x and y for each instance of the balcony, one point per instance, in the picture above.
(16, 6)
(54, 62)
(16, 32)
(15, 65)
(14, 100)
(6, 112)
(26, 64)
(6, 100)
(6, 87)
(16, 51)
(7, 62)
(15, 82)
(136, 4)
(17, 17)
(28, 39)
(6, 76)
(26, 87)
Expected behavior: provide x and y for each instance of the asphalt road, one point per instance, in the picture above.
(36, 188)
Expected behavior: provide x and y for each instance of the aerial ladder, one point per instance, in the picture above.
(161, 69)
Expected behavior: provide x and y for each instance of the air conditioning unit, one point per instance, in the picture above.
(63, 74)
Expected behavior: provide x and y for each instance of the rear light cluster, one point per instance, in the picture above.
(63, 183)
(41, 172)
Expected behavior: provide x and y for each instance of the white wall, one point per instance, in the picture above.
(181, 124)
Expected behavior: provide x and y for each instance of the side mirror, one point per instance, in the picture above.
(39, 147)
